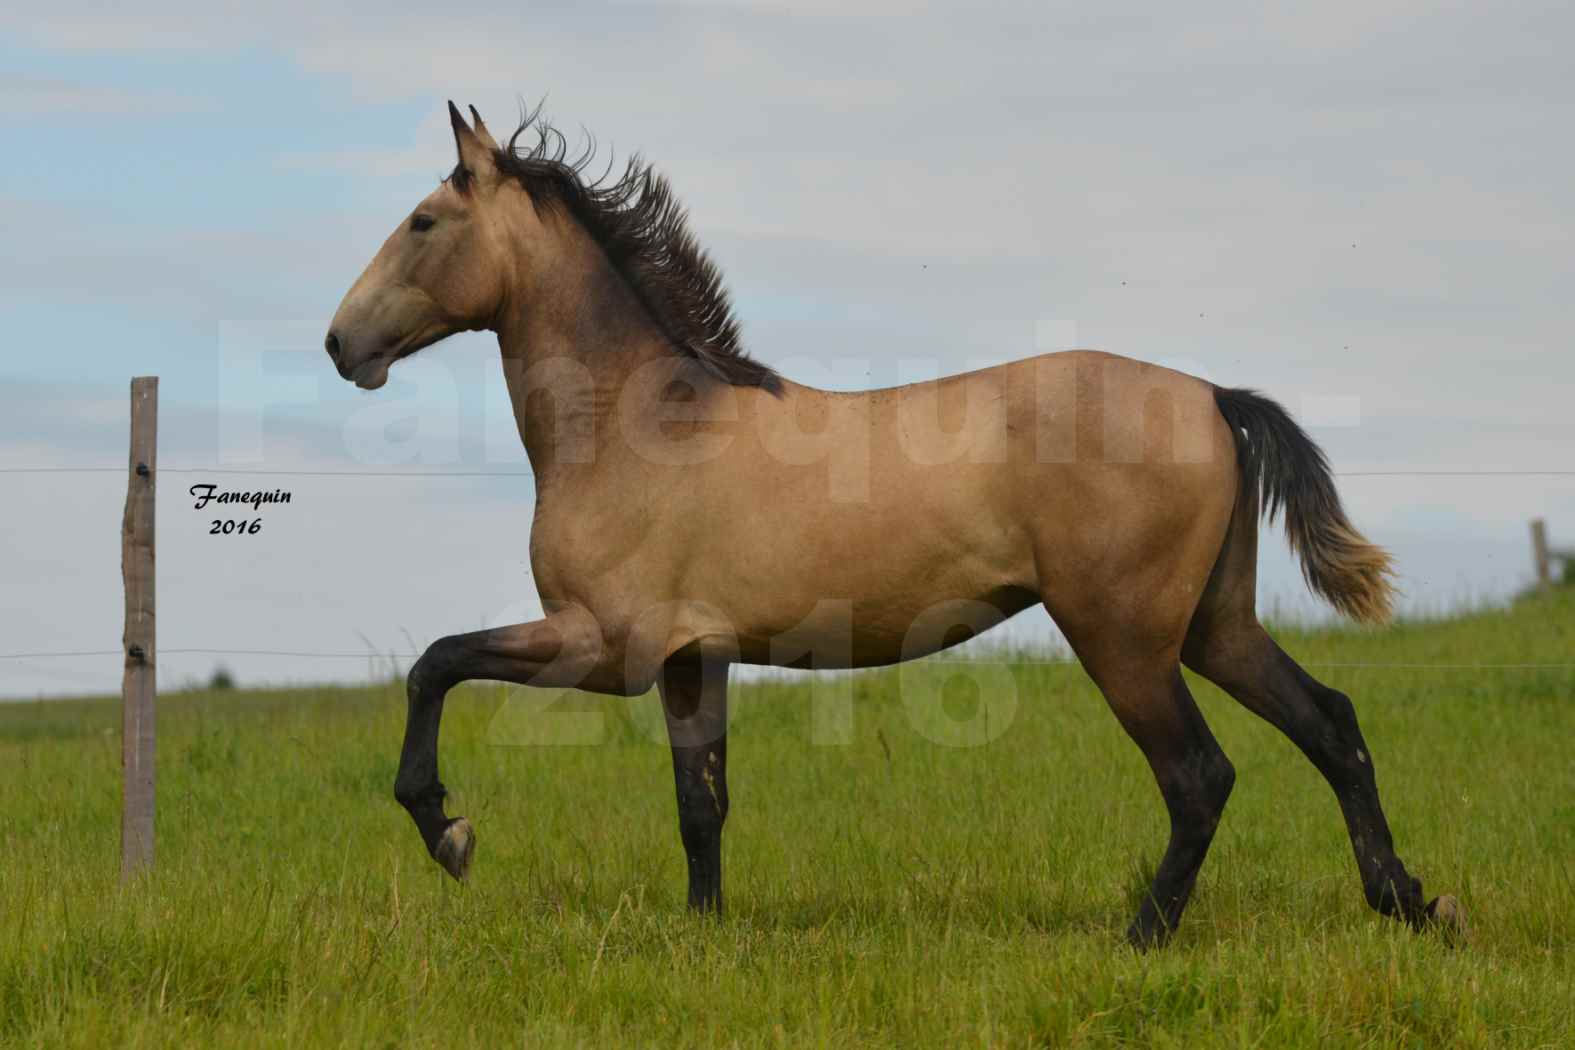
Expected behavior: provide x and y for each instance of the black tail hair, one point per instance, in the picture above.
(1290, 471)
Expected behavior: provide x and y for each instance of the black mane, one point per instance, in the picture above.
(642, 227)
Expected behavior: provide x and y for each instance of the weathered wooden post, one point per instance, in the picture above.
(1539, 552)
(139, 686)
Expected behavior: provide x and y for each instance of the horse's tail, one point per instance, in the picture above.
(1289, 470)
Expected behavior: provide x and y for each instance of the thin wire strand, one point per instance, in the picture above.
(51, 656)
(161, 651)
(525, 473)
(358, 473)
(282, 473)
(954, 662)
(1355, 664)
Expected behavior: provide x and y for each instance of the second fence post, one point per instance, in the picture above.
(139, 686)
(1539, 552)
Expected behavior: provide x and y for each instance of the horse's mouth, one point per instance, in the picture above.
(371, 373)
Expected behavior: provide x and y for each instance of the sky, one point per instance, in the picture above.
(1362, 209)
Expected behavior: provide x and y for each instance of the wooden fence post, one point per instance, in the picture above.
(1539, 552)
(139, 686)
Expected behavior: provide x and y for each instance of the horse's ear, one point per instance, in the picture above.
(475, 155)
(481, 130)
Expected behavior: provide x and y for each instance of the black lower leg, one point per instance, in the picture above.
(1195, 778)
(1322, 723)
(694, 701)
(700, 774)
(560, 650)
(416, 786)
(1195, 790)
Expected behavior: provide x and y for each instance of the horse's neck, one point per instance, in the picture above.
(586, 366)
(568, 385)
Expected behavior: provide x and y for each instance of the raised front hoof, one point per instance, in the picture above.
(455, 847)
(1447, 917)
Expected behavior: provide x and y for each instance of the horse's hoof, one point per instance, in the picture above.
(1446, 915)
(455, 847)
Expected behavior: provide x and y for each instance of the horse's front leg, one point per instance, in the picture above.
(694, 701)
(559, 651)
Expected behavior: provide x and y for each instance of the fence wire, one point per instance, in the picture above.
(368, 654)
(525, 473)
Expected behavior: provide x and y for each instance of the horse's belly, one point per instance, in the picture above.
(863, 616)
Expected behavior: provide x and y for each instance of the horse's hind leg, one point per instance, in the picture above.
(1149, 697)
(1233, 651)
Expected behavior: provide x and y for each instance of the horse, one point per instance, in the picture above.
(695, 510)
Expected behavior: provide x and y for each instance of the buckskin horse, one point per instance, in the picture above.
(694, 509)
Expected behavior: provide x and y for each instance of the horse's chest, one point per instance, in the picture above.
(576, 553)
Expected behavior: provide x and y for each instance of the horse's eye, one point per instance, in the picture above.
(421, 223)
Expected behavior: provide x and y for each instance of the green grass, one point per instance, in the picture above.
(891, 891)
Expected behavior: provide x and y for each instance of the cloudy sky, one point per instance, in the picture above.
(1363, 209)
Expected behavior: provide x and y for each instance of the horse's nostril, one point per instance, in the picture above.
(331, 344)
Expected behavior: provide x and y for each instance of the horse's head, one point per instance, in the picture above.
(441, 271)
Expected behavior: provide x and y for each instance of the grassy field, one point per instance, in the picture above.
(893, 890)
